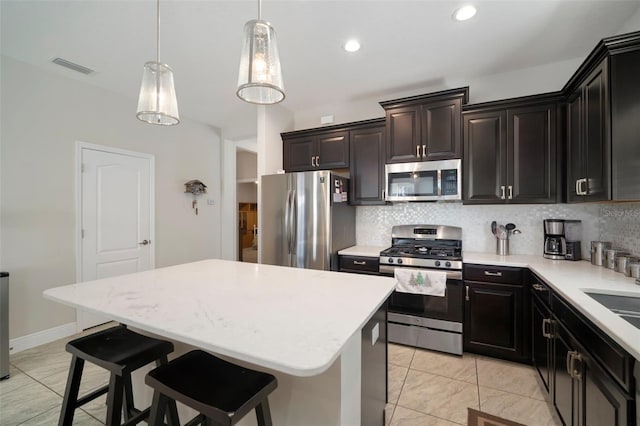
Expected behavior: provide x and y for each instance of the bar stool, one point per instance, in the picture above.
(121, 351)
(222, 392)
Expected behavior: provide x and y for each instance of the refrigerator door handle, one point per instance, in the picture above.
(287, 221)
(293, 221)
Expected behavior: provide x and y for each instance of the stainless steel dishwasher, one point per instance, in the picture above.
(4, 325)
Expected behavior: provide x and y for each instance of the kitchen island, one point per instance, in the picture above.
(306, 327)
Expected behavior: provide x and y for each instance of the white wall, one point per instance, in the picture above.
(632, 24)
(43, 115)
(524, 82)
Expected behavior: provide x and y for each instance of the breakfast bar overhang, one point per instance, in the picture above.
(323, 334)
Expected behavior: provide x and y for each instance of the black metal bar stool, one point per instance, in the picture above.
(222, 392)
(121, 351)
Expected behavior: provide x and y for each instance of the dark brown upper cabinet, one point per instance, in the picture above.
(603, 153)
(511, 151)
(426, 127)
(315, 150)
(358, 146)
(366, 168)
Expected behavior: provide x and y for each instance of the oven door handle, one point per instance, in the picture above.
(389, 270)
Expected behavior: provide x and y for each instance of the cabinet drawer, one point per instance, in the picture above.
(609, 354)
(360, 264)
(541, 290)
(493, 274)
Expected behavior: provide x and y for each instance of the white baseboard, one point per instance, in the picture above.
(41, 337)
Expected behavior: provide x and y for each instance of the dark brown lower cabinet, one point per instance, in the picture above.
(541, 345)
(494, 316)
(584, 393)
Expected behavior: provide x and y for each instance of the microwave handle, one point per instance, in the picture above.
(439, 183)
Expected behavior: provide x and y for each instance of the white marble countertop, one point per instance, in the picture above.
(570, 280)
(366, 251)
(296, 321)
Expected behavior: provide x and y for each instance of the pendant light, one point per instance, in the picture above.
(157, 103)
(260, 76)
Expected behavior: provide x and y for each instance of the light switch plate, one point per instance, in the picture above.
(375, 333)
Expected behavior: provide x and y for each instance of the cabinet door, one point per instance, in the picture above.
(403, 135)
(298, 154)
(565, 391)
(333, 150)
(493, 320)
(596, 135)
(485, 158)
(601, 401)
(540, 343)
(531, 154)
(366, 165)
(441, 130)
(575, 162)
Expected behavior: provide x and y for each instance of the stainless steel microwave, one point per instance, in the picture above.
(424, 181)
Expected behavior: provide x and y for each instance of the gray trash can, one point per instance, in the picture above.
(4, 325)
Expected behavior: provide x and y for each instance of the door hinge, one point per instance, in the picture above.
(82, 168)
(82, 233)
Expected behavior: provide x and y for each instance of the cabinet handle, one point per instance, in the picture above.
(538, 287)
(579, 190)
(572, 358)
(356, 262)
(466, 297)
(510, 192)
(493, 274)
(424, 151)
(418, 151)
(317, 161)
(545, 331)
(502, 196)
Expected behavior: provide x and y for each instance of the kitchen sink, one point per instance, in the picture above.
(627, 307)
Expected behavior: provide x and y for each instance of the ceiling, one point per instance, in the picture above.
(405, 44)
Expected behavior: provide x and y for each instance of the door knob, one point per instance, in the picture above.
(145, 242)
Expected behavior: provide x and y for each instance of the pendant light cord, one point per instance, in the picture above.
(259, 10)
(158, 31)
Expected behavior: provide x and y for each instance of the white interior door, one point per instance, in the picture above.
(116, 217)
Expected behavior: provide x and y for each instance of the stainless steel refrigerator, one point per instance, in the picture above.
(306, 219)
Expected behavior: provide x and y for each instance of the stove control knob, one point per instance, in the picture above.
(390, 260)
(437, 263)
(399, 261)
(448, 264)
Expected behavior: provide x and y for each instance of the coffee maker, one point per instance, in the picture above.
(555, 245)
(562, 239)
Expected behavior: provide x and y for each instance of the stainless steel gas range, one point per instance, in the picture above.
(430, 322)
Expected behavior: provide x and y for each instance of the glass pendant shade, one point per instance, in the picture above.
(260, 76)
(157, 103)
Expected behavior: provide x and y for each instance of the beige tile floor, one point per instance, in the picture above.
(425, 388)
(434, 389)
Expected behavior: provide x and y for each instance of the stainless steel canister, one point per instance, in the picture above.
(598, 252)
(611, 257)
(623, 261)
(634, 270)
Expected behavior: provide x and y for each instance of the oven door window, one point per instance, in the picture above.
(447, 308)
(413, 184)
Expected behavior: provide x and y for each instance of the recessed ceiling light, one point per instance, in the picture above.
(465, 12)
(352, 45)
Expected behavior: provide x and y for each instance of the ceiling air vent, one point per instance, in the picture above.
(72, 66)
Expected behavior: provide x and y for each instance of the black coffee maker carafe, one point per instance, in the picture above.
(555, 244)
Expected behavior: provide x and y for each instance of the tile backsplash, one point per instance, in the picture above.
(619, 223)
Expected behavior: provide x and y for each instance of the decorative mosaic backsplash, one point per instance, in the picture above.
(619, 223)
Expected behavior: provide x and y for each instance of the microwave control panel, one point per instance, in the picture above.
(449, 182)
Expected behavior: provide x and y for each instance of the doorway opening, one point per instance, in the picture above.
(247, 203)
